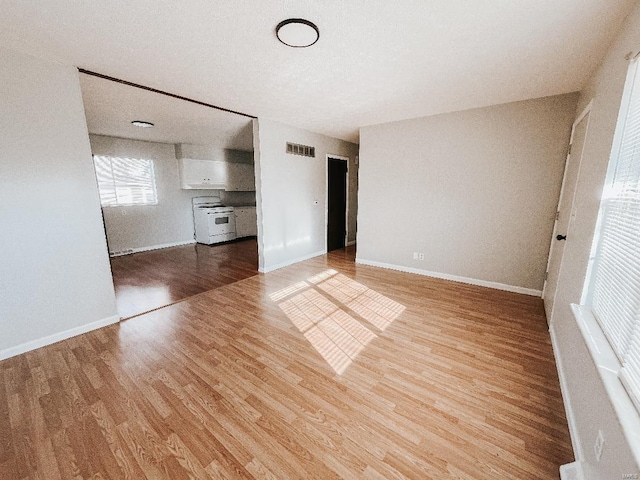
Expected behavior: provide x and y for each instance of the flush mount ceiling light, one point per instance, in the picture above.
(140, 123)
(297, 32)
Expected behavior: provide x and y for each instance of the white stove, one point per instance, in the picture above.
(214, 222)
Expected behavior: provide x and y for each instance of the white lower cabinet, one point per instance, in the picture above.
(246, 221)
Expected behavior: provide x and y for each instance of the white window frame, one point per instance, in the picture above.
(609, 362)
(123, 183)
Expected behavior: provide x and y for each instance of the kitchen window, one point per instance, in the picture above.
(125, 181)
(613, 285)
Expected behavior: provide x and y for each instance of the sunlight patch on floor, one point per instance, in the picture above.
(315, 307)
(285, 292)
(381, 311)
(322, 276)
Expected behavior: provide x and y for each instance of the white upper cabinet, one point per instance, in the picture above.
(203, 167)
(202, 174)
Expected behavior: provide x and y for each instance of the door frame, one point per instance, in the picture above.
(326, 200)
(586, 111)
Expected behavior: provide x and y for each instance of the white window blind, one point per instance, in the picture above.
(614, 285)
(125, 181)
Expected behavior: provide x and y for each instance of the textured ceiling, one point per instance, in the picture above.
(376, 60)
(110, 107)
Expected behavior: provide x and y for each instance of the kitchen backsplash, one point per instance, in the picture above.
(236, 199)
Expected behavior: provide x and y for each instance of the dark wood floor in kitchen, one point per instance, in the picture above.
(320, 370)
(148, 280)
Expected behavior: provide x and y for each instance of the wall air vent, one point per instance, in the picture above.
(304, 150)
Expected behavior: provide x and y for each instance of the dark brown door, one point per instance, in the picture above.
(336, 223)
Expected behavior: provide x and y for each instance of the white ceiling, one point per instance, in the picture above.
(376, 60)
(110, 108)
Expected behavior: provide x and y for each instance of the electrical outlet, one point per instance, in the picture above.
(415, 255)
(421, 256)
(599, 445)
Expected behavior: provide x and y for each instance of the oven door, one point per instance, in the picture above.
(221, 223)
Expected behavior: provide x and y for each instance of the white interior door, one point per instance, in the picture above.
(565, 211)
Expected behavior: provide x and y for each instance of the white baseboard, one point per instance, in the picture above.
(291, 262)
(564, 390)
(571, 471)
(129, 251)
(453, 278)
(57, 337)
(352, 242)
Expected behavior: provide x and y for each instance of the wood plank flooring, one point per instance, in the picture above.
(148, 280)
(324, 369)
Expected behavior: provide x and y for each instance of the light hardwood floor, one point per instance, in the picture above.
(324, 369)
(148, 280)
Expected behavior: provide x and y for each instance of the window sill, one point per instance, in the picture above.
(120, 205)
(608, 367)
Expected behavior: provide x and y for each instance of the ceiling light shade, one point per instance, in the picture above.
(141, 123)
(297, 32)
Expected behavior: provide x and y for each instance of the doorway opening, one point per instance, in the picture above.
(337, 201)
(153, 181)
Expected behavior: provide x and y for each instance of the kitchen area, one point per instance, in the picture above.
(230, 212)
(177, 189)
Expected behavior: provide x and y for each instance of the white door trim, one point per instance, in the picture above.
(577, 121)
(326, 199)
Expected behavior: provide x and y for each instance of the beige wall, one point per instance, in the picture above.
(148, 226)
(54, 270)
(291, 226)
(475, 191)
(589, 406)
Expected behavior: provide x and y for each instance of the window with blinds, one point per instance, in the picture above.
(614, 284)
(125, 181)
